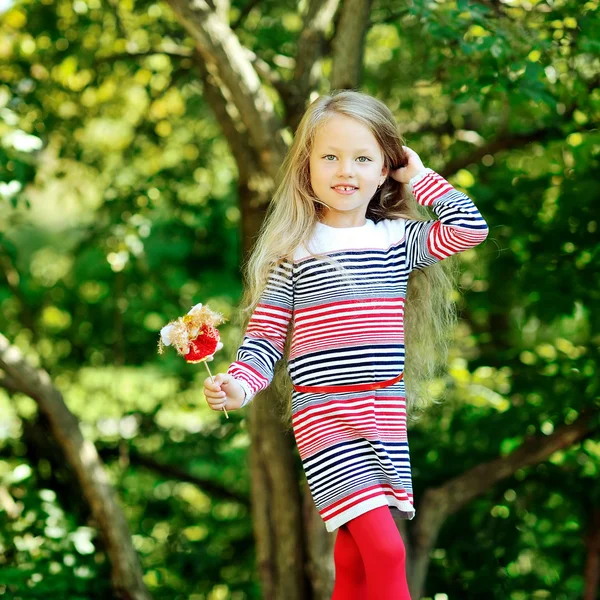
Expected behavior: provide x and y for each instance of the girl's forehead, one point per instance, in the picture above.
(341, 132)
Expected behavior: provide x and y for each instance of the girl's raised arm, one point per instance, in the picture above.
(459, 226)
(264, 339)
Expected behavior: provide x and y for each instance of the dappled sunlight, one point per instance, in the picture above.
(135, 164)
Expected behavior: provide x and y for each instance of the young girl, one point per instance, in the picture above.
(331, 267)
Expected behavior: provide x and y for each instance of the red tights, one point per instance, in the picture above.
(370, 559)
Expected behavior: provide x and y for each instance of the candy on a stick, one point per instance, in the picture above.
(195, 336)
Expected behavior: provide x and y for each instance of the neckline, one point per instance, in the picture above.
(322, 225)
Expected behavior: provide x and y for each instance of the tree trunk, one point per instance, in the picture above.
(276, 505)
(319, 548)
(126, 573)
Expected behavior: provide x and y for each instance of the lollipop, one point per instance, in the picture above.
(194, 336)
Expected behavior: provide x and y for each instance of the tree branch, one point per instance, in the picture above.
(225, 57)
(507, 142)
(310, 49)
(438, 503)
(175, 472)
(177, 52)
(263, 68)
(391, 17)
(174, 52)
(254, 186)
(126, 572)
(9, 384)
(511, 141)
(475, 482)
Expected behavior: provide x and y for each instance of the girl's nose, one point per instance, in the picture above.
(346, 167)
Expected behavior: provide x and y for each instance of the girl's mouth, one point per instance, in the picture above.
(345, 190)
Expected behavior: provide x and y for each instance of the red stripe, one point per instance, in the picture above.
(367, 316)
(340, 303)
(444, 240)
(313, 448)
(325, 408)
(359, 416)
(361, 328)
(306, 313)
(272, 307)
(241, 368)
(431, 188)
(323, 318)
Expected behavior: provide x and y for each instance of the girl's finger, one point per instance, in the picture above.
(216, 405)
(219, 406)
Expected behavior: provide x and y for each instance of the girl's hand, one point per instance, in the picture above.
(224, 392)
(413, 167)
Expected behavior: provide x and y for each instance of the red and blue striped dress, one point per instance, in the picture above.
(347, 348)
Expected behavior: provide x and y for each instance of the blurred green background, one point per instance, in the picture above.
(125, 199)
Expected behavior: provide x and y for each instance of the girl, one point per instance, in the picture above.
(340, 250)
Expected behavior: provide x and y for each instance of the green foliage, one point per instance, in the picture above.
(45, 551)
(119, 211)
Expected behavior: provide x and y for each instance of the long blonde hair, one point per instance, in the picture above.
(430, 314)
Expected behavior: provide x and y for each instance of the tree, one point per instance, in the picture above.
(499, 98)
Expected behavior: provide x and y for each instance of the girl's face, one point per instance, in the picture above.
(345, 152)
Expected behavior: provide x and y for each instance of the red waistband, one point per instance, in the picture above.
(359, 387)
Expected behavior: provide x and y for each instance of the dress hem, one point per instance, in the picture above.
(402, 509)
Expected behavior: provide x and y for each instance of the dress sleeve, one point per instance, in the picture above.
(264, 339)
(459, 225)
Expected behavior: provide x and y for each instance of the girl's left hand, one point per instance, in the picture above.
(413, 167)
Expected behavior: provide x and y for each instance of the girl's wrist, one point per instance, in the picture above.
(418, 176)
(420, 172)
(247, 393)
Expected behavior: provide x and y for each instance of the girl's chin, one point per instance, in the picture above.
(345, 193)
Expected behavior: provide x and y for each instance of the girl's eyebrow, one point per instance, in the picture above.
(361, 150)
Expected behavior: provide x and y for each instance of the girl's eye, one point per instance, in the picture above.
(366, 157)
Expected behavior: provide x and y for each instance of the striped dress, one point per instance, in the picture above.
(347, 348)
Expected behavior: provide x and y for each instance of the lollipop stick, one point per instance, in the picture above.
(213, 380)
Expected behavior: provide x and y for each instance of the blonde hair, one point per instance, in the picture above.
(430, 314)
